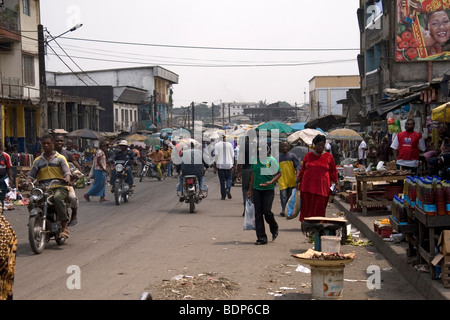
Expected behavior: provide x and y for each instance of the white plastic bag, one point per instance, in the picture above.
(249, 216)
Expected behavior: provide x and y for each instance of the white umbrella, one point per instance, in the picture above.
(306, 135)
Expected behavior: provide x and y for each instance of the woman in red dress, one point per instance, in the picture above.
(314, 179)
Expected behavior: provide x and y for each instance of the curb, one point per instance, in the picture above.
(428, 288)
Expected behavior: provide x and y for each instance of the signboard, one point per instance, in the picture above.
(423, 30)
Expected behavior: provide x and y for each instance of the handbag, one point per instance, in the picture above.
(249, 216)
(293, 205)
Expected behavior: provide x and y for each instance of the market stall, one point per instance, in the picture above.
(387, 177)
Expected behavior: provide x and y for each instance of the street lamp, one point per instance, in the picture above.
(75, 27)
(43, 106)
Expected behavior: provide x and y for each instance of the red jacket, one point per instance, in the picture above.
(408, 145)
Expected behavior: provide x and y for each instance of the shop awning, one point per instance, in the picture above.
(385, 108)
(441, 113)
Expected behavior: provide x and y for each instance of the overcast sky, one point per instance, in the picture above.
(198, 40)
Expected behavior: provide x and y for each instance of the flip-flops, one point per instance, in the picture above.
(65, 234)
(86, 197)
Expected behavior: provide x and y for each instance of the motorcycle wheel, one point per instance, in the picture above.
(60, 240)
(143, 173)
(191, 205)
(36, 236)
(117, 193)
(125, 196)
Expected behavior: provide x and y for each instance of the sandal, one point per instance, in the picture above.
(103, 200)
(65, 234)
(86, 197)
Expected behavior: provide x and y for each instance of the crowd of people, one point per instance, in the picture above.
(312, 175)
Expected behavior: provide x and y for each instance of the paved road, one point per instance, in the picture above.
(121, 251)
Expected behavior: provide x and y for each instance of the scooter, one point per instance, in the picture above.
(190, 192)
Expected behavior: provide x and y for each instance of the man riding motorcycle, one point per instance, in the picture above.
(47, 167)
(124, 153)
(73, 199)
(192, 164)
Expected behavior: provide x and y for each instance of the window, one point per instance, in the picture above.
(26, 7)
(373, 56)
(28, 70)
(116, 115)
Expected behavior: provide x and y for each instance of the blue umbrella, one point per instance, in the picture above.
(298, 126)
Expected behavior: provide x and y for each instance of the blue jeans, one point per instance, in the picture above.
(129, 178)
(224, 180)
(285, 194)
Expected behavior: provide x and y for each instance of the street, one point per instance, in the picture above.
(119, 252)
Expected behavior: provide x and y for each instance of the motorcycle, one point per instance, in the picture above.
(149, 169)
(190, 192)
(43, 224)
(122, 191)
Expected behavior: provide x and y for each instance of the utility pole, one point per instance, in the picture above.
(43, 106)
(212, 115)
(193, 115)
(155, 104)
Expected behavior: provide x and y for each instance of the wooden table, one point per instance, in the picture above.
(427, 225)
(361, 190)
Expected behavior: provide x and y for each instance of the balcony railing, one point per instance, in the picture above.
(9, 19)
(18, 92)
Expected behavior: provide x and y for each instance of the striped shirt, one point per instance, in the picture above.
(45, 171)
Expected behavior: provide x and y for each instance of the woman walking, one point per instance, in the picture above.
(315, 177)
(100, 171)
(264, 174)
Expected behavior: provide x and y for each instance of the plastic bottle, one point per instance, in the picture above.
(440, 200)
(429, 205)
(446, 188)
(412, 192)
(395, 203)
(402, 215)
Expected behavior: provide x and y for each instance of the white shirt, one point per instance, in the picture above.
(224, 155)
(362, 153)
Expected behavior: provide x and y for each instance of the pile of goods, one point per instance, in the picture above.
(318, 255)
(382, 173)
(8, 248)
(383, 227)
(431, 194)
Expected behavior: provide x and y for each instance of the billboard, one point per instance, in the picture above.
(423, 30)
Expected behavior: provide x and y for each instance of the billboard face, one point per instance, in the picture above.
(423, 30)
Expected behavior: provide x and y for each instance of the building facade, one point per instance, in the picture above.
(326, 91)
(139, 97)
(19, 73)
(397, 64)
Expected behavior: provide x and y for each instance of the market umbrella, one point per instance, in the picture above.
(275, 125)
(136, 137)
(306, 135)
(344, 134)
(326, 122)
(152, 141)
(441, 113)
(168, 130)
(85, 134)
(298, 126)
(180, 133)
(213, 134)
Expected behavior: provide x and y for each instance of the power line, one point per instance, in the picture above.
(218, 65)
(210, 48)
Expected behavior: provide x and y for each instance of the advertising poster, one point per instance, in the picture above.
(423, 30)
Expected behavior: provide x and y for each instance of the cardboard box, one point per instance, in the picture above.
(444, 243)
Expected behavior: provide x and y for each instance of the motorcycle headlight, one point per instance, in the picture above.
(37, 194)
(119, 167)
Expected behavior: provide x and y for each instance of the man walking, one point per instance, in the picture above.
(289, 164)
(407, 146)
(224, 161)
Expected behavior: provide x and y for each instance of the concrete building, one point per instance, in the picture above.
(136, 99)
(326, 91)
(19, 73)
(397, 67)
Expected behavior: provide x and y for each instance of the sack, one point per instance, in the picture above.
(91, 173)
(249, 216)
(293, 205)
